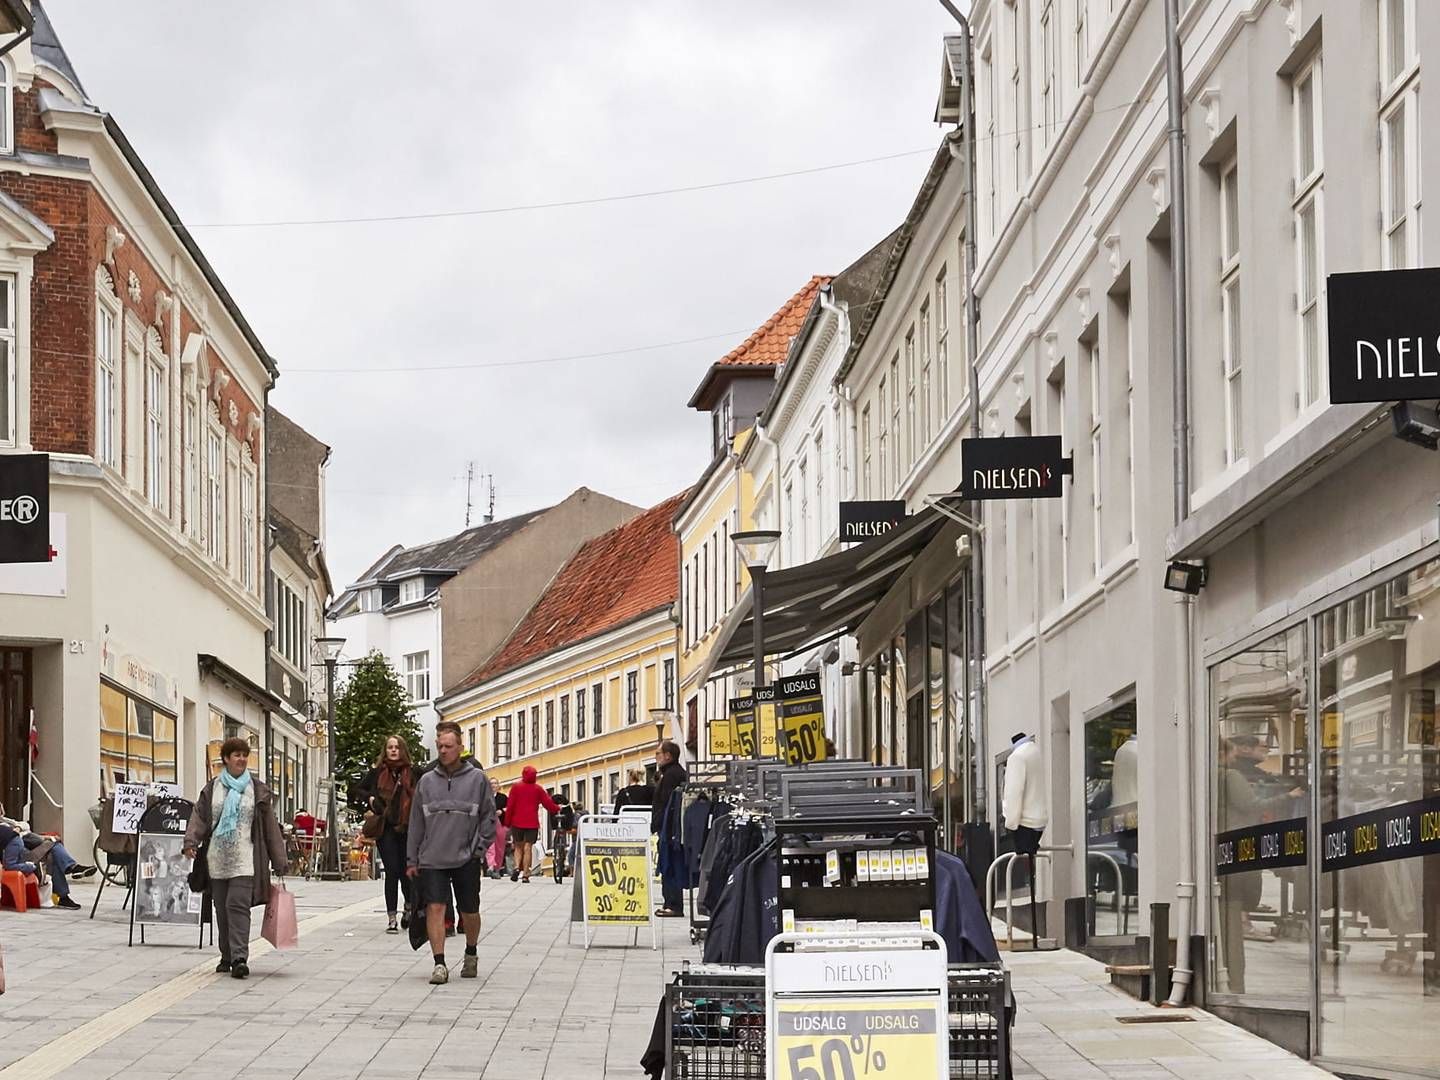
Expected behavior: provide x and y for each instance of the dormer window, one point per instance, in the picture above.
(721, 419)
(369, 599)
(411, 590)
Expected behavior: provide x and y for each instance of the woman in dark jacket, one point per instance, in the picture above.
(386, 790)
(636, 792)
(235, 816)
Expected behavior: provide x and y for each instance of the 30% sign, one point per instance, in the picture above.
(835, 1041)
(617, 882)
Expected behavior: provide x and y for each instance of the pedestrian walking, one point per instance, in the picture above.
(387, 791)
(522, 815)
(234, 828)
(465, 755)
(452, 822)
(497, 854)
(635, 792)
(666, 827)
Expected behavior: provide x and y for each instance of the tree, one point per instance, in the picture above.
(372, 707)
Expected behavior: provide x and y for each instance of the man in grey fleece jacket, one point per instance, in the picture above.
(452, 823)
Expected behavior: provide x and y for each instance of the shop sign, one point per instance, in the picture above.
(1024, 467)
(722, 737)
(767, 721)
(24, 508)
(802, 716)
(1384, 329)
(136, 675)
(1404, 831)
(742, 721)
(1269, 846)
(866, 519)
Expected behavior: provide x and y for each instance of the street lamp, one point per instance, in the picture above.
(330, 653)
(661, 719)
(755, 548)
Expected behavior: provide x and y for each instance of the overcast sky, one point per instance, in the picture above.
(284, 111)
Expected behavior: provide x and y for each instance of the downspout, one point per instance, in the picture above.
(980, 808)
(843, 488)
(1185, 609)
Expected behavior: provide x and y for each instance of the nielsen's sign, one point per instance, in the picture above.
(1384, 330)
(865, 520)
(1021, 467)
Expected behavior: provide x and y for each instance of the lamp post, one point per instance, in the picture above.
(755, 548)
(661, 719)
(330, 653)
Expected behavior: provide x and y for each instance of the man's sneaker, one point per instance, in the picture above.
(66, 903)
(222, 968)
(470, 968)
(80, 870)
(240, 970)
(440, 976)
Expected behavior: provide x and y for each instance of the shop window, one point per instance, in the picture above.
(1379, 776)
(1259, 717)
(137, 741)
(1112, 823)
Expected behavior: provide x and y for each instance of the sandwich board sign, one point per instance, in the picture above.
(614, 873)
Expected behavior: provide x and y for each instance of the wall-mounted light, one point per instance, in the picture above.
(1184, 577)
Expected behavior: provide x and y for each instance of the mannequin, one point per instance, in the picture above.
(1023, 806)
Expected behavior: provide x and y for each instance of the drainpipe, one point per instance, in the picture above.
(845, 479)
(980, 810)
(1184, 716)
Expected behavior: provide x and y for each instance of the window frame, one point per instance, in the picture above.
(9, 363)
(412, 589)
(1095, 361)
(564, 719)
(7, 102)
(895, 472)
(632, 697)
(1231, 309)
(249, 492)
(414, 672)
(1308, 202)
(108, 368)
(157, 427)
(549, 723)
(215, 537)
(597, 708)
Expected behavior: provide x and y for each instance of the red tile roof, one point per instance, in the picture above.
(612, 579)
(767, 346)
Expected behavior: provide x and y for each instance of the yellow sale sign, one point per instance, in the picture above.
(802, 715)
(616, 876)
(835, 1037)
(722, 737)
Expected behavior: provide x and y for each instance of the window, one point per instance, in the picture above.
(912, 427)
(9, 377)
(1097, 464)
(191, 436)
(369, 599)
(685, 606)
(107, 382)
(1230, 325)
(1017, 102)
(137, 741)
(1082, 40)
(549, 724)
(669, 688)
(417, 675)
(1309, 168)
(412, 589)
(470, 738)
(520, 731)
(247, 529)
(822, 511)
(789, 520)
(7, 125)
(564, 718)
(942, 347)
(865, 453)
(597, 700)
(1049, 72)
(926, 408)
(1399, 135)
(802, 525)
(157, 478)
(1397, 20)
(705, 586)
(289, 618)
(535, 728)
(894, 479)
(992, 107)
(1057, 402)
(215, 494)
(632, 697)
(580, 731)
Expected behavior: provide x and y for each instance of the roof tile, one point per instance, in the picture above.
(768, 345)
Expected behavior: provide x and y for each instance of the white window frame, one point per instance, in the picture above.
(1409, 62)
(822, 511)
(1096, 364)
(895, 447)
(412, 589)
(290, 625)
(1231, 327)
(157, 429)
(1399, 100)
(991, 147)
(1049, 72)
(1308, 205)
(1064, 490)
(249, 490)
(942, 346)
(9, 364)
(865, 452)
(107, 376)
(802, 524)
(416, 670)
(7, 104)
(190, 434)
(1082, 40)
(926, 383)
(215, 491)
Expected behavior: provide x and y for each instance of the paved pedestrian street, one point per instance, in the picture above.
(352, 1001)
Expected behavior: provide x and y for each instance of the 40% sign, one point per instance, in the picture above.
(617, 879)
(858, 1039)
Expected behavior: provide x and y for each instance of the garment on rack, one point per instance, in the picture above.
(671, 853)
(708, 849)
(694, 825)
(747, 914)
(959, 916)
(741, 836)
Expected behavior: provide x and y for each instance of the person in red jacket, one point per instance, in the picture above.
(522, 818)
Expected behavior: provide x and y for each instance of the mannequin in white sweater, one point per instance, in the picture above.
(1025, 810)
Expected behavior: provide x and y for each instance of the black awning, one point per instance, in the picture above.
(214, 667)
(812, 603)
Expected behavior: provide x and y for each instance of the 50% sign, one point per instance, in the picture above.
(617, 882)
(855, 1039)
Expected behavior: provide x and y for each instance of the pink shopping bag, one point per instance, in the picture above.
(279, 926)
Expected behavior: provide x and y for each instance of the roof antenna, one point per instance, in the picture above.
(469, 480)
(490, 513)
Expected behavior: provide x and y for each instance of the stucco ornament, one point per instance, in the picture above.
(132, 286)
(234, 414)
(114, 241)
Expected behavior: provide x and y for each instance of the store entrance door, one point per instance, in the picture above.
(16, 701)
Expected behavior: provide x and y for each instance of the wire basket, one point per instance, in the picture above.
(716, 1027)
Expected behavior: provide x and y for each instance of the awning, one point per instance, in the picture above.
(216, 668)
(818, 601)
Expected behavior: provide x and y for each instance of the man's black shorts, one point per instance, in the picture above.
(435, 886)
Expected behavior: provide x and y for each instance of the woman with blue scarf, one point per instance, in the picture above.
(234, 822)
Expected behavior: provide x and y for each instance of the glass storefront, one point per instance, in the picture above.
(137, 740)
(1112, 823)
(1326, 784)
(1260, 801)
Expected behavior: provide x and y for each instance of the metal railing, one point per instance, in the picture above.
(1043, 852)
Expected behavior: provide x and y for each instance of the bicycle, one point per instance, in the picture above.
(558, 854)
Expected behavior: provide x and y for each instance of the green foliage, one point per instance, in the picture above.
(372, 706)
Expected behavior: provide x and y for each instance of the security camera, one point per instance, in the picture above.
(1416, 423)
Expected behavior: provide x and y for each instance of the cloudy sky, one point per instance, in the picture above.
(291, 111)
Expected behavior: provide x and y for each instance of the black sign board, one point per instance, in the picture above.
(24, 508)
(1384, 336)
(1393, 832)
(1025, 467)
(1261, 847)
(861, 521)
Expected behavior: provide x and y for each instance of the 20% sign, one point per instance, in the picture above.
(836, 1041)
(617, 882)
